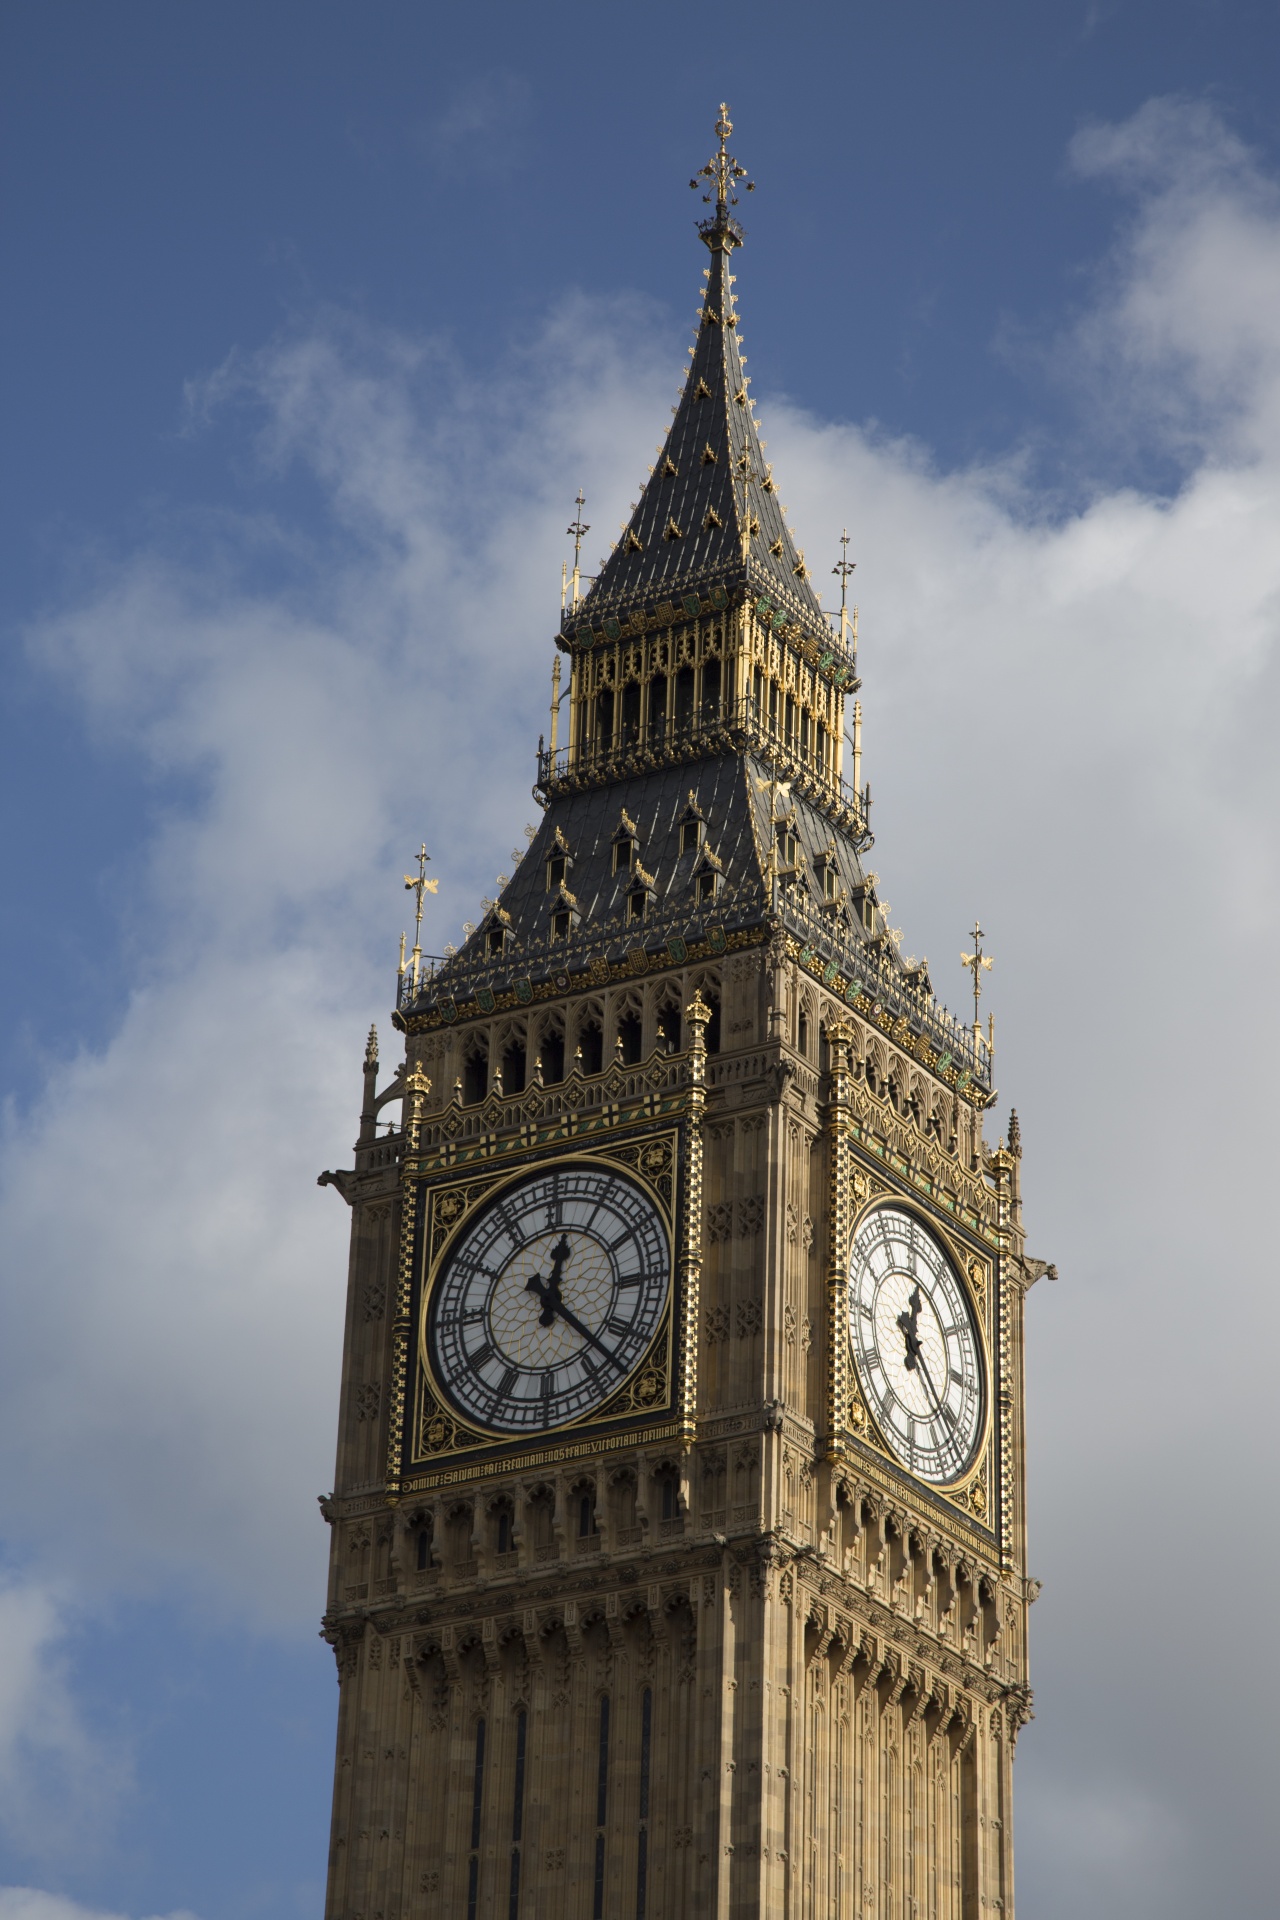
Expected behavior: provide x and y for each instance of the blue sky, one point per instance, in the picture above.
(315, 319)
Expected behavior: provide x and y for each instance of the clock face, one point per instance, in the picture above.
(549, 1298)
(915, 1345)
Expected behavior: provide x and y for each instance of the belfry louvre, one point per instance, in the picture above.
(678, 1535)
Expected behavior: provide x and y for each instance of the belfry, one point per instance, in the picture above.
(678, 1535)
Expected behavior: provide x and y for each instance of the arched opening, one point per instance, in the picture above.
(513, 1065)
(552, 1059)
(584, 1503)
(604, 719)
(422, 1543)
(802, 1034)
(591, 1046)
(711, 690)
(630, 729)
(629, 1033)
(669, 1027)
(684, 698)
(475, 1072)
(657, 708)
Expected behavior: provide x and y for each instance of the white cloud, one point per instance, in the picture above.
(30, 1903)
(59, 1784)
(1070, 727)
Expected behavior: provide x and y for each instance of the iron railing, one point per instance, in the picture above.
(736, 726)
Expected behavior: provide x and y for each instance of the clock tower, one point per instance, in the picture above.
(678, 1531)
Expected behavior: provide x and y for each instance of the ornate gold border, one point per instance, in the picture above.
(437, 1432)
(971, 1489)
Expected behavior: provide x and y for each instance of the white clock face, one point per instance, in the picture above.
(915, 1345)
(549, 1298)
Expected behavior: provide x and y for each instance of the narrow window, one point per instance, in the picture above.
(670, 1501)
(477, 1801)
(497, 939)
(706, 886)
(602, 1801)
(713, 1028)
(642, 1845)
(690, 836)
(802, 1035)
(791, 719)
(773, 705)
(804, 732)
(586, 1515)
(424, 1549)
(504, 1531)
(684, 697)
(636, 904)
(475, 1077)
(552, 1059)
(829, 882)
(631, 712)
(630, 1032)
(555, 871)
(591, 1046)
(517, 1816)
(711, 690)
(560, 924)
(604, 719)
(621, 855)
(513, 1067)
(657, 708)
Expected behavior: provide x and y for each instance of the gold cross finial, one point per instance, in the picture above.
(978, 963)
(577, 527)
(419, 884)
(722, 173)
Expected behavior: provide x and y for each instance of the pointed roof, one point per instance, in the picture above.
(709, 513)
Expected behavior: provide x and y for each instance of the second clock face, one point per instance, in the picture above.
(915, 1344)
(549, 1298)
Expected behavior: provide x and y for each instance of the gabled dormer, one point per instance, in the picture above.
(496, 933)
(693, 825)
(708, 873)
(559, 861)
(626, 844)
(642, 893)
(831, 889)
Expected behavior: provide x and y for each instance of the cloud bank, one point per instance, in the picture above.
(1069, 727)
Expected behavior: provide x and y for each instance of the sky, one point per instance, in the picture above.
(316, 318)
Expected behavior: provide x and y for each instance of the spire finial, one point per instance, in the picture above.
(419, 884)
(722, 173)
(578, 527)
(978, 963)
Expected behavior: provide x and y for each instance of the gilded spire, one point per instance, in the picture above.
(709, 516)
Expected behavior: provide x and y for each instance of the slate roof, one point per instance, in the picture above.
(710, 483)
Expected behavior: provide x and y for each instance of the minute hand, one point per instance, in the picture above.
(923, 1365)
(571, 1319)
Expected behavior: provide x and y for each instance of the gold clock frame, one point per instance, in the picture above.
(435, 1434)
(969, 1490)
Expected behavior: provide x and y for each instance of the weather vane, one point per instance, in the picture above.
(844, 567)
(978, 963)
(418, 884)
(577, 527)
(723, 173)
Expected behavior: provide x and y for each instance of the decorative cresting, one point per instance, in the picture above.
(417, 1086)
(840, 1414)
(697, 1014)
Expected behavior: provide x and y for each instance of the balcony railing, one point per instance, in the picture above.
(736, 726)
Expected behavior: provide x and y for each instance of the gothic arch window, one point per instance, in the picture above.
(667, 1022)
(502, 1521)
(512, 1060)
(590, 1039)
(667, 1484)
(657, 709)
(551, 1053)
(475, 1069)
(629, 719)
(541, 1521)
(711, 690)
(582, 1506)
(630, 1037)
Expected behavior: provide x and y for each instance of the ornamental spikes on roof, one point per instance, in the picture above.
(709, 514)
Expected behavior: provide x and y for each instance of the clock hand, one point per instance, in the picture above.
(908, 1323)
(571, 1319)
(928, 1378)
(548, 1291)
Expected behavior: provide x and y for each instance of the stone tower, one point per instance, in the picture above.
(678, 1527)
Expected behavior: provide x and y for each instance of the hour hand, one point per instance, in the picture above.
(548, 1291)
